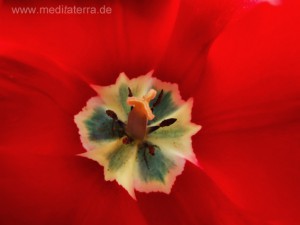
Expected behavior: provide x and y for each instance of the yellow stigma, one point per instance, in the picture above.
(142, 104)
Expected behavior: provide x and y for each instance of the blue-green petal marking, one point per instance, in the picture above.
(123, 95)
(101, 127)
(165, 107)
(153, 167)
(119, 156)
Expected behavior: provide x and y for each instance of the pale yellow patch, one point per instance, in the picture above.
(124, 175)
(157, 186)
(80, 118)
(180, 145)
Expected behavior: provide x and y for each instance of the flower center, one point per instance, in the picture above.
(139, 115)
(137, 125)
(133, 135)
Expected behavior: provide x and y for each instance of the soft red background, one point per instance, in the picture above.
(238, 60)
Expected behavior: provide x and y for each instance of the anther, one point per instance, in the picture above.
(127, 140)
(158, 100)
(164, 123)
(130, 95)
(129, 92)
(112, 114)
(167, 122)
(151, 149)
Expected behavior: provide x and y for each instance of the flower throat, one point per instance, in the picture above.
(137, 128)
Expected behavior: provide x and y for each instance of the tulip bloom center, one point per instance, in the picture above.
(136, 128)
(139, 115)
(140, 131)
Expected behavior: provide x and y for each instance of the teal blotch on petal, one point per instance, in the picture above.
(119, 156)
(153, 167)
(165, 107)
(101, 127)
(123, 95)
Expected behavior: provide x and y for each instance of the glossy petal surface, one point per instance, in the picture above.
(250, 107)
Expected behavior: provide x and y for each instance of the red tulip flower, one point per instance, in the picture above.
(238, 60)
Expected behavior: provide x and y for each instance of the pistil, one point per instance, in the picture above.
(139, 115)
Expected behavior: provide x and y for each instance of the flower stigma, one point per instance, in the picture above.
(139, 115)
(140, 131)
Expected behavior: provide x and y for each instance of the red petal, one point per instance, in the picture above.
(249, 107)
(42, 180)
(194, 200)
(198, 23)
(132, 38)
